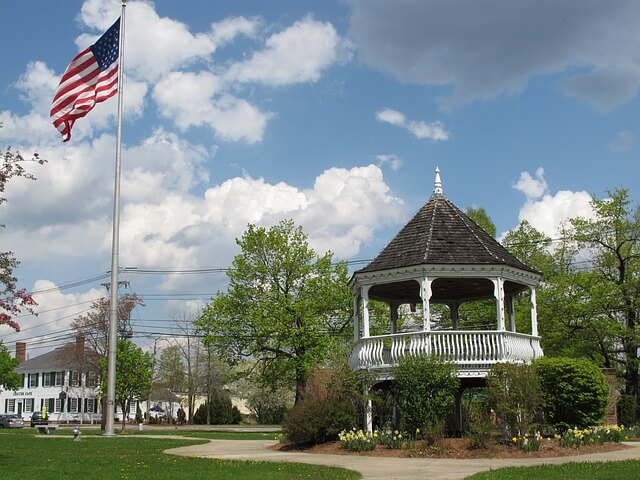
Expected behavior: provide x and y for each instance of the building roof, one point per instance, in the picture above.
(441, 234)
(62, 358)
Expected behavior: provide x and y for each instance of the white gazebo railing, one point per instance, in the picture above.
(473, 352)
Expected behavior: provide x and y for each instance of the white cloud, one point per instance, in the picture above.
(623, 141)
(339, 213)
(548, 213)
(394, 161)
(532, 187)
(434, 131)
(489, 48)
(298, 54)
(192, 99)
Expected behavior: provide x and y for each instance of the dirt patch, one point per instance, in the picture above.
(461, 448)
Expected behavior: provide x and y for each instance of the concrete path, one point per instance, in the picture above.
(386, 468)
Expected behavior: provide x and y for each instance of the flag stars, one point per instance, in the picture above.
(105, 50)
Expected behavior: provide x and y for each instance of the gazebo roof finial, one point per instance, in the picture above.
(437, 188)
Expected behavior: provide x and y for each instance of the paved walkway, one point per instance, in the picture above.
(385, 467)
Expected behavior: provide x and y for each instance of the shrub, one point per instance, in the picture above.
(514, 395)
(627, 414)
(574, 391)
(221, 411)
(477, 421)
(425, 389)
(329, 406)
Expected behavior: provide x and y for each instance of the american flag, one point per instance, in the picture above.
(90, 78)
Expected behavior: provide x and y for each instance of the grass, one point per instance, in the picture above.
(627, 469)
(24, 454)
(66, 431)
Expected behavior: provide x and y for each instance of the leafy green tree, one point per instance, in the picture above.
(283, 304)
(482, 218)
(9, 379)
(134, 373)
(613, 241)
(170, 371)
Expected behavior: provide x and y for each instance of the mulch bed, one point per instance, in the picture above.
(461, 448)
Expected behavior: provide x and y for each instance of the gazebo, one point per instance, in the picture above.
(439, 262)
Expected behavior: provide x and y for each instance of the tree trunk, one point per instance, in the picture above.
(301, 383)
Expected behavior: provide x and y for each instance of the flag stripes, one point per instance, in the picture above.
(84, 84)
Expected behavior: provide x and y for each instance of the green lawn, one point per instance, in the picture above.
(624, 470)
(66, 431)
(23, 454)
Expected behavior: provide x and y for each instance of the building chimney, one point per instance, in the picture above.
(21, 351)
(79, 347)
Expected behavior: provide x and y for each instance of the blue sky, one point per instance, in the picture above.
(333, 113)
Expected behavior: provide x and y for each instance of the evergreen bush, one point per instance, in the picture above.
(221, 411)
(627, 414)
(574, 391)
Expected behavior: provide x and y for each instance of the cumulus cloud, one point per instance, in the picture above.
(623, 141)
(532, 187)
(546, 212)
(192, 99)
(433, 131)
(339, 213)
(297, 54)
(483, 49)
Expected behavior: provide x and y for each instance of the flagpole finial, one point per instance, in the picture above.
(437, 188)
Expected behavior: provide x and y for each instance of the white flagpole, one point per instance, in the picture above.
(115, 247)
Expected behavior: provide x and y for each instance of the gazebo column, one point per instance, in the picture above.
(498, 291)
(512, 312)
(425, 294)
(454, 310)
(364, 295)
(534, 312)
(393, 307)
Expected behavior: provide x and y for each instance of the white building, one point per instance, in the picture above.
(55, 382)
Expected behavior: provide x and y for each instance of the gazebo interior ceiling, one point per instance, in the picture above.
(442, 290)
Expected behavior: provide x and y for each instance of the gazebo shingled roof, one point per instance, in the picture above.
(441, 234)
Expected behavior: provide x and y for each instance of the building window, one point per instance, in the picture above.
(58, 405)
(74, 379)
(59, 378)
(91, 380)
(28, 405)
(33, 380)
(90, 405)
(11, 405)
(73, 405)
(49, 379)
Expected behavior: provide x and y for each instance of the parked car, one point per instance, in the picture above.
(11, 421)
(38, 419)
